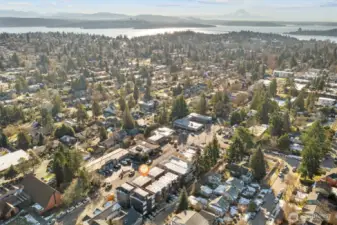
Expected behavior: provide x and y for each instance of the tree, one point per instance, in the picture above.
(286, 122)
(276, 124)
(103, 134)
(310, 158)
(41, 140)
(283, 142)
(162, 117)
(236, 118)
(252, 207)
(179, 108)
(11, 172)
(182, 202)
(4, 143)
(202, 105)
(64, 130)
(311, 102)
(273, 88)
(236, 151)
(131, 102)
(245, 136)
(128, 122)
(293, 62)
(147, 95)
(317, 133)
(298, 104)
(57, 105)
(96, 109)
(47, 120)
(23, 140)
(81, 114)
(257, 164)
(122, 104)
(263, 112)
(136, 93)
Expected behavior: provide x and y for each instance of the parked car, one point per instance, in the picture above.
(71, 209)
(132, 173)
(108, 187)
(294, 169)
(117, 166)
(124, 163)
(148, 162)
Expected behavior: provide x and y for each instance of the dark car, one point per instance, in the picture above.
(294, 169)
(117, 166)
(148, 162)
(132, 173)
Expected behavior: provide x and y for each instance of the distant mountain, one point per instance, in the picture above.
(20, 14)
(94, 16)
(241, 14)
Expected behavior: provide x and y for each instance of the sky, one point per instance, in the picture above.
(303, 10)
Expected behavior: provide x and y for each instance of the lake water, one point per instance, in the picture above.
(142, 32)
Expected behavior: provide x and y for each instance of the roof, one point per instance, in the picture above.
(127, 187)
(37, 190)
(155, 172)
(12, 158)
(5, 207)
(132, 217)
(141, 181)
(99, 162)
(178, 166)
(258, 130)
(187, 124)
(189, 217)
(162, 183)
(141, 192)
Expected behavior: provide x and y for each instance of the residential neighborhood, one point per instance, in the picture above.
(178, 128)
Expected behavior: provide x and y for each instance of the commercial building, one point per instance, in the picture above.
(115, 156)
(326, 101)
(179, 167)
(12, 158)
(161, 135)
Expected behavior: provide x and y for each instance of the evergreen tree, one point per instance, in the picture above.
(103, 134)
(81, 114)
(202, 105)
(310, 103)
(23, 140)
(162, 117)
(96, 109)
(235, 118)
(131, 102)
(57, 105)
(183, 201)
(179, 108)
(317, 133)
(122, 103)
(135, 93)
(310, 158)
(276, 124)
(128, 122)
(11, 172)
(257, 164)
(147, 95)
(236, 151)
(47, 120)
(293, 62)
(298, 104)
(263, 112)
(286, 122)
(64, 130)
(283, 142)
(3, 140)
(273, 88)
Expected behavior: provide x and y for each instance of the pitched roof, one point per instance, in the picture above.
(39, 191)
(189, 217)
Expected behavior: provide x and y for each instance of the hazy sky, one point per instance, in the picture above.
(269, 9)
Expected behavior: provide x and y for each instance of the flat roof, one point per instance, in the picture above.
(141, 192)
(162, 183)
(12, 158)
(127, 187)
(165, 131)
(199, 116)
(188, 124)
(155, 172)
(98, 163)
(141, 181)
(177, 165)
(258, 130)
(156, 137)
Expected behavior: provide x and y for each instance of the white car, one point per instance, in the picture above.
(71, 209)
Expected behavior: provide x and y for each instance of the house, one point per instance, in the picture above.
(258, 130)
(282, 74)
(44, 196)
(219, 206)
(314, 215)
(109, 210)
(237, 183)
(231, 194)
(109, 111)
(68, 140)
(186, 124)
(325, 101)
(206, 191)
(12, 158)
(189, 217)
(148, 106)
(197, 203)
(7, 210)
(322, 187)
(199, 118)
(161, 135)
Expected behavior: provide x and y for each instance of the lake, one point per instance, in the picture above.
(142, 32)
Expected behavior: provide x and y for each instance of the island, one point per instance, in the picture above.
(331, 32)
